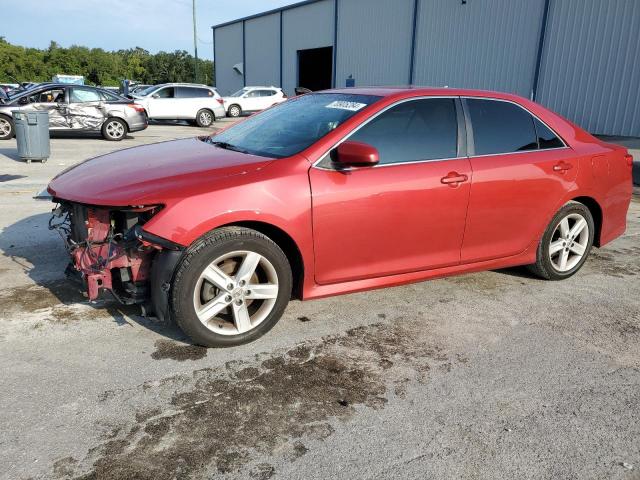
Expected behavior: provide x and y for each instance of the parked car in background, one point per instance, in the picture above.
(200, 104)
(75, 107)
(7, 87)
(336, 192)
(253, 99)
(138, 88)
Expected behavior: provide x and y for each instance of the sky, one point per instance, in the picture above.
(119, 24)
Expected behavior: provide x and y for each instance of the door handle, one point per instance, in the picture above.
(454, 179)
(562, 167)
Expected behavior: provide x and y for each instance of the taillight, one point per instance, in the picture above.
(629, 160)
(220, 101)
(136, 107)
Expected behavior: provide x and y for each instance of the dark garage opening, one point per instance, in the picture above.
(315, 67)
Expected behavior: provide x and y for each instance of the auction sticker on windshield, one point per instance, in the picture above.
(351, 106)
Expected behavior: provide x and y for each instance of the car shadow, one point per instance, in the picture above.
(40, 254)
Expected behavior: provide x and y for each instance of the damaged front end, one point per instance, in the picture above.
(108, 248)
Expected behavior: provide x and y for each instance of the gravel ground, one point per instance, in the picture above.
(488, 375)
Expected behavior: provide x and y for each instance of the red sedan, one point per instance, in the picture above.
(336, 192)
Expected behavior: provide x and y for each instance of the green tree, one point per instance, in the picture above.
(99, 67)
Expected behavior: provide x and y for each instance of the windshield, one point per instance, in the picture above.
(292, 126)
(239, 93)
(146, 91)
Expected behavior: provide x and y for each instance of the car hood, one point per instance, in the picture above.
(152, 174)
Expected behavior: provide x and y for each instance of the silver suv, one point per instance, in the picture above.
(182, 101)
(74, 107)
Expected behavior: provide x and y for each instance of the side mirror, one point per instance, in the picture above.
(155, 95)
(23, 101)
(356, 154)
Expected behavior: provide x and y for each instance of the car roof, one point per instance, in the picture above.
(416, 91)
(178, 84)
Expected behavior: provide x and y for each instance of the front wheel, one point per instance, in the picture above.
(566, 243)
(235, 111)
(231, 287)
(114, 129)
(7, 130)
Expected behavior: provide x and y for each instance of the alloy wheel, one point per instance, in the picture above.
(115, 129)
(236, 292)
(234, 112)
(205, 119)
(569, 242)
(5, 127)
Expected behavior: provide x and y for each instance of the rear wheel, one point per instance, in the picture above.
(114, 129)
(566, 243)
(205, 118)
(7, 129)
(235, 111)
(231, 287)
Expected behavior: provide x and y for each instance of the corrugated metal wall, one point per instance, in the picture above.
(487, 44)
(262, 51)
(228, 52)
(375, 33)
(308, 26)
(590, 68)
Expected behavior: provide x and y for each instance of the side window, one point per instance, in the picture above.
(253, 94)
(55, 95)
(201, 92)
(166, 92)
(501, 127)
(267, 93)
(546, 138)
(81, 95)
(412, 131)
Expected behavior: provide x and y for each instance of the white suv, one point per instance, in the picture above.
(182, 101)
(253, 99)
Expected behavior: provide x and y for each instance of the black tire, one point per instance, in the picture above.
(114, 129)
(7, 128)
(234, 111)
(204, 251)
(205, 118)
(544, 267)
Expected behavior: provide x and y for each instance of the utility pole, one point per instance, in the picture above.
(195, 45)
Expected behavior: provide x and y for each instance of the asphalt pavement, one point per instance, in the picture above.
(487, 375)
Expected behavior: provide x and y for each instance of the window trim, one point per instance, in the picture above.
(462, 135)
(471, 145)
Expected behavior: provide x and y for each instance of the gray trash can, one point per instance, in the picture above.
(32, 135)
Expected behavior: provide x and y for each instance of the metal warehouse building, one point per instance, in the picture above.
(580, 58)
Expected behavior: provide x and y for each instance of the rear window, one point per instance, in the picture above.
(501, 127)
(546, 138)
(192, 92)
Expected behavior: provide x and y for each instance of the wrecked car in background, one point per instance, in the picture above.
(74, 107)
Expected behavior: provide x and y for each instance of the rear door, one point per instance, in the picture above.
(401, 215)
(521, 170)
(86, 109)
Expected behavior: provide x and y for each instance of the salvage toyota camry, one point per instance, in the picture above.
(337, 192)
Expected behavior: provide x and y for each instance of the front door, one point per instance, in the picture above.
(402, 215)
(163, 104)
(52, 101)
